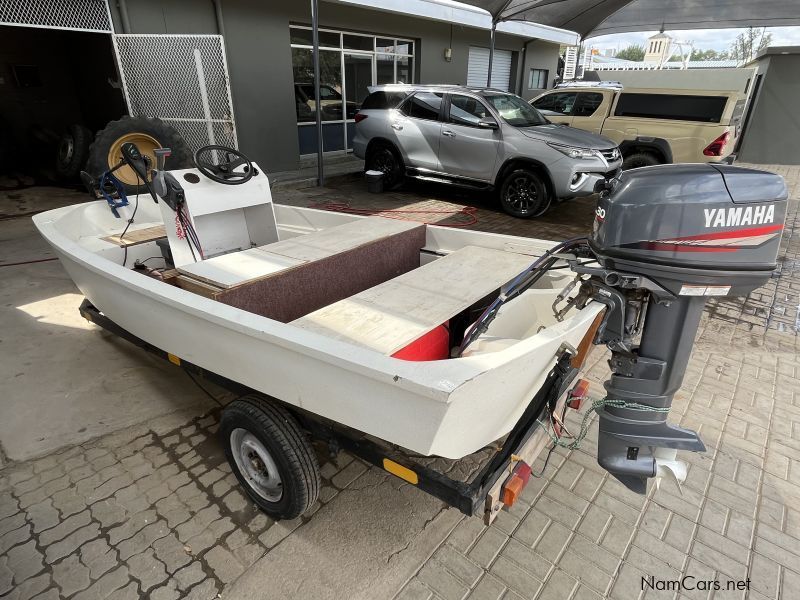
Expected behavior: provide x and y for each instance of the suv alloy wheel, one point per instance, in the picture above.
(523, 194)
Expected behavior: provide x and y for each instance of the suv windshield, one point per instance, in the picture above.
(515, 111)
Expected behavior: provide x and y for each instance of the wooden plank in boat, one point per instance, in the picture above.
(327, 242)
(232, 269)
(138, 236)
(196, 286)
(393, 314)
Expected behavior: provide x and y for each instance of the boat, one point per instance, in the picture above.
(348, 317)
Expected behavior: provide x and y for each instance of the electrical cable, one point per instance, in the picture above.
(130, 221)
(204, 390)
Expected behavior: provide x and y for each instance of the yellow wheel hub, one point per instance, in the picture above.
(146, 144)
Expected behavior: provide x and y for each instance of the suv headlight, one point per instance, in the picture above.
(574, 152)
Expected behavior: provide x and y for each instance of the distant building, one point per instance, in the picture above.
(659, 48)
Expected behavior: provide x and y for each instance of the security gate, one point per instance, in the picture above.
(181, 79)
(74, 15)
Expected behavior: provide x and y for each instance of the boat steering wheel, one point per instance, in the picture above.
(219, 163)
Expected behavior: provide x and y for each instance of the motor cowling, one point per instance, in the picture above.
(667, 238)
(700, 229)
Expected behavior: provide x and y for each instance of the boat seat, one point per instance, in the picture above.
(288, 279)
(245, 266)
(390, 316)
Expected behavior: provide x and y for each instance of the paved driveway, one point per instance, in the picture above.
(151, 510)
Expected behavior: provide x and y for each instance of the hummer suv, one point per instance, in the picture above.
(480, 138)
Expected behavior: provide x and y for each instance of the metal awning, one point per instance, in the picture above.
(600, 17)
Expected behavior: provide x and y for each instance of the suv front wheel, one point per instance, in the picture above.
(383, 158)
(524, 194)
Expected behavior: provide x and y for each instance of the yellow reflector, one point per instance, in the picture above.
(174, 359)
(401, 471)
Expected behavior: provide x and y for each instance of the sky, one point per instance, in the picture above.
(704, 39)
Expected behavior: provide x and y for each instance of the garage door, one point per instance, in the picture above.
(478, 68)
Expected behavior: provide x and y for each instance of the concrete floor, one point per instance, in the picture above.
(62, 381)
(138, 500)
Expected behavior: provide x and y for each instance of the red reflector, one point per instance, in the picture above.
(434, 345)
(359, 117)
(716, 147)
(576, 395)
(515, 483)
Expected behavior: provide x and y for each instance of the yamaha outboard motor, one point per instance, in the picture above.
(667, 238)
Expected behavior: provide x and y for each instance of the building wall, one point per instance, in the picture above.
(773, 133)
(260, 64)
(538, 55)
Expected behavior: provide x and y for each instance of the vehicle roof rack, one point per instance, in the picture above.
(589, 84)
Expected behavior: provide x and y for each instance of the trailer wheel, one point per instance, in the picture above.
(270, 456)
(148, 135)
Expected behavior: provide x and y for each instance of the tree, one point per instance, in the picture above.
(749, 43)
(634, 53)
(709, 54)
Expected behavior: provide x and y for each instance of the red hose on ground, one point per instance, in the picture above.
(468, 212)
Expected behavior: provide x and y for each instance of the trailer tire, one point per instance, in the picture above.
(272, 447)
(148, 134)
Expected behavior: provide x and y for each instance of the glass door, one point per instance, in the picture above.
(359, 74)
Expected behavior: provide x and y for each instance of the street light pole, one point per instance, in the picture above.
(317, 107)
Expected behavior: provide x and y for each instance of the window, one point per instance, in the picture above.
(558, 103)
(515, 111)
(465, 110)
(350, 62)
(423, 105)
(587, 104)
(329, 88)
(537, 79)
(706, 109)
(381, 100)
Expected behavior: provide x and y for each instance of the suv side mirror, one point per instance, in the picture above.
(488, 123)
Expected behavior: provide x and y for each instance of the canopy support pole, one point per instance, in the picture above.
(491, 55)
(317, 107)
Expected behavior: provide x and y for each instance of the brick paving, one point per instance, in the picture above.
(154, 511)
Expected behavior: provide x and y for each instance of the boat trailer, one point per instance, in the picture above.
(497, 484)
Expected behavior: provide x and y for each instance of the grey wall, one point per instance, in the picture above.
(773, 133)
(260, 63)
(539, 55)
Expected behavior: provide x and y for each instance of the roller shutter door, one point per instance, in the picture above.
(478, 68)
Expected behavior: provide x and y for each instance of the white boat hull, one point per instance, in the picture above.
(448, 408)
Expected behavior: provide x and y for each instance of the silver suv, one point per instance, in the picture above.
(481, 138)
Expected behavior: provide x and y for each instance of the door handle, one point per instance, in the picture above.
(397, 126)
(449, 133)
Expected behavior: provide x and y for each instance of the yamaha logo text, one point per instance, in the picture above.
(741, 215)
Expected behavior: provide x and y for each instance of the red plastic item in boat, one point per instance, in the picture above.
(434, 345)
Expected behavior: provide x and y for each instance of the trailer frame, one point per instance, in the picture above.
(481, 494)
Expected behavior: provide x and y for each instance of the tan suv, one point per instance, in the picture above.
(651, 126)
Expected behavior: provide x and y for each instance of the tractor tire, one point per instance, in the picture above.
(73, 151)
(270, 455)
(639, 159)
(148, 135)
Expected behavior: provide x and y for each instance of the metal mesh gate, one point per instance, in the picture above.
(78, 15)
(181, 79)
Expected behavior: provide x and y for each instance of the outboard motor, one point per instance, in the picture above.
(667, 238)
